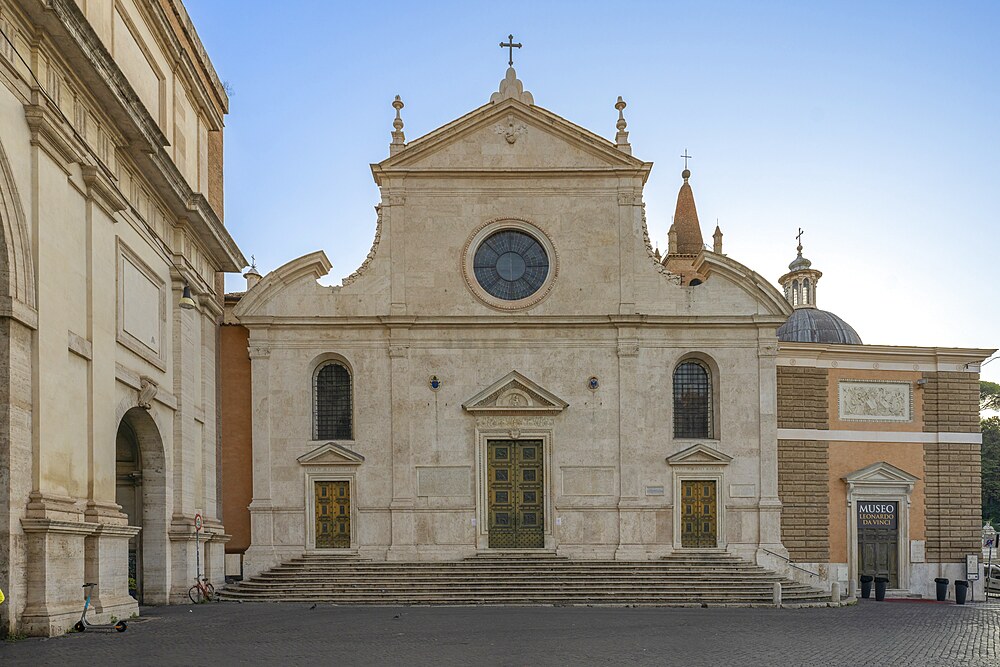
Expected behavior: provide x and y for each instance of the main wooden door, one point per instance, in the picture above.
(699, 514)
(333, 515)
(878, 540)
(515, 486)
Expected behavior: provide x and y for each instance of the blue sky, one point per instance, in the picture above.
(871, 125)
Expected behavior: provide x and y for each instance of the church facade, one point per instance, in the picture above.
(514, 367)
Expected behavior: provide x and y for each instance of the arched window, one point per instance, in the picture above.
(806, 296)
(332, 404)
(795, 292)
(692, 400)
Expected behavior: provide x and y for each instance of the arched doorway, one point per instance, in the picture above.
(141, 491)
(128, 494)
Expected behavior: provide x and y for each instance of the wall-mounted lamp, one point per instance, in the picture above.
(186, 302)
(921, 382)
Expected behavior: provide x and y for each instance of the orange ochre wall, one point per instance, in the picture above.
(845, 458)
(237, 451)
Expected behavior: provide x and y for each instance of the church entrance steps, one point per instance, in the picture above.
(522, 579)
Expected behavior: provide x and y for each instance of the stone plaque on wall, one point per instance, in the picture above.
(444, 481)
(142, 300)
(875, 401)
(587, 481)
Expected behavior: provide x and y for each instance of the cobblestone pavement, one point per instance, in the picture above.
(871, 633)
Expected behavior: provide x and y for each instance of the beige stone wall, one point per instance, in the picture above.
(804, 488)
(803, 397)
(951, 402)
(954, 501)
(115, 224)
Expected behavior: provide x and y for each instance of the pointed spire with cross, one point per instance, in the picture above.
(686, 174)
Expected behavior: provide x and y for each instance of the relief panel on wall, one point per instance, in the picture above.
(875, 401)
(141, 307)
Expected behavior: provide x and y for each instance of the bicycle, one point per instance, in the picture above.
(202, 591)
(83, 623)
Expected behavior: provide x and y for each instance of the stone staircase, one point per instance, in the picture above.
(702, 578)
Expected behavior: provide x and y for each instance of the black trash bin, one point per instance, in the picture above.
(880, 585)
(866, 585)
(942, 589)
(961, 588)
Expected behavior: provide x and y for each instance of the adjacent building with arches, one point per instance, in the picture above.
(111, 242)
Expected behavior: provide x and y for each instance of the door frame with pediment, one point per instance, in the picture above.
(880, 482)
(517, 429)
(694, 464)
(513, 408)
(329, 463)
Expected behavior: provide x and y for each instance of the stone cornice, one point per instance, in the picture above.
(610, 322)
(380, 172)
(835, 355)
(19, 311)
(77, 42)
(107, 193)
(750, 281)
(45, 127)
(477, 118)
(215, 108)
(203, 60)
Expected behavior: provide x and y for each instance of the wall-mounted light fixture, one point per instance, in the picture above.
(186, 302)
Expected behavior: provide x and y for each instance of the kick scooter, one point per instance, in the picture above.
(83, 624)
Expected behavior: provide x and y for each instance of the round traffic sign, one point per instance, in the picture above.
(197, 522)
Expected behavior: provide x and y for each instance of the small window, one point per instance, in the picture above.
(332, 403)
(806, 296)
(692, 401)
(795, 292)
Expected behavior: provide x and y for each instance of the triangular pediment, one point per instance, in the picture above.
(699, 455)
(509, 136)
(331, 454)
(880, 473)
(515, 394)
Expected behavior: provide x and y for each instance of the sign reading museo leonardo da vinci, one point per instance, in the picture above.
(877, 514)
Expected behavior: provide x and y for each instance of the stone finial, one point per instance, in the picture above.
(621, 139)
(672, 240)
(717, 239)
(657, 255)
(512, 88)
(252, 275)
(398, 138)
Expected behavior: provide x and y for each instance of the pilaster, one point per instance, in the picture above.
(769, 505)
(629, 440)
(403, 491)
(261, 554)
